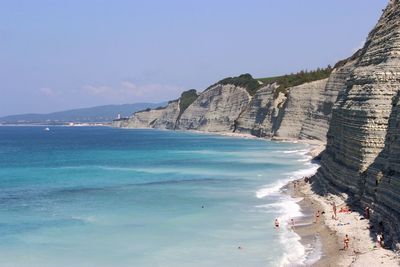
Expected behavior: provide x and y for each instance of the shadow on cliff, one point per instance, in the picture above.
(381, 191)
(379, 185)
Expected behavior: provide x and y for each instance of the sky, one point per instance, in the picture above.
(58, 55)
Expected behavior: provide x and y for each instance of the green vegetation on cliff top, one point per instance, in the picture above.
(252, 85)
(295, 79)
(186, 99)
(284, 82)
(244, 80)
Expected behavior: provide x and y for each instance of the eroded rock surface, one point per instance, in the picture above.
(361, 156)
(215, 110)
(262, 116)
(302, 104)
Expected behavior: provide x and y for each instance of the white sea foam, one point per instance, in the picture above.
(299, 152)
(287, 208)
(295, 252)
(275, 188)
(305, 172)
(306, 159)
(314, 252)
(271, 189)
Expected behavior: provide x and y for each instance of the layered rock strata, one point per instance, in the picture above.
(361, 155)
(302, 104)
(262, 116)
(161, 118)
(215, 110)
(230, 108)
(382, 179)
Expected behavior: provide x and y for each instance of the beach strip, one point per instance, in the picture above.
(363, 249)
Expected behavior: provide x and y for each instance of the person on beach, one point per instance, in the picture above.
(366, 213)
(292, 224)
(346, 242)
(334, 210)
(276, 223)
(380, 239)
(317, 214)
(344, 210)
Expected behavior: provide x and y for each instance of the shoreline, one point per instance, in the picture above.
(306, 233)
(363, 251)
(314, 236)
(316, 146)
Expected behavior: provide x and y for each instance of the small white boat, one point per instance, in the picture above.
(47, 129)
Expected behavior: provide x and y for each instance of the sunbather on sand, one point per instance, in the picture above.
(346, 242)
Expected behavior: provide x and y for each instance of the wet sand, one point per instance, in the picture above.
(315, 235)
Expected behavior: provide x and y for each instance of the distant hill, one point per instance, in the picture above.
(94, 114)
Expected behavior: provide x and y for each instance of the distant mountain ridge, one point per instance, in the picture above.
(104, 113)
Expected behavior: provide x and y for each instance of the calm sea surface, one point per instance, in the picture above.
(93, 196)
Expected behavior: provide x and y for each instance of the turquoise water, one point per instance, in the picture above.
(85, 196)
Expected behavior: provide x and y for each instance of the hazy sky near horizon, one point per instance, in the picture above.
(57, 55)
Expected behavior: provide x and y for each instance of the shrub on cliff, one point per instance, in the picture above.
(296, 79)
(187, 98)
(245, 80)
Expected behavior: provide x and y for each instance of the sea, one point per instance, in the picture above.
(100, 196)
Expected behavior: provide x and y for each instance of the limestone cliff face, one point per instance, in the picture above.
(215, 110)
(120, 123)
(303, 113)
(316, 123)
(302, 104)
(262, 116)
(359, 126)
(168, 116)
(382, 179)
(162, 118)
(144, 119)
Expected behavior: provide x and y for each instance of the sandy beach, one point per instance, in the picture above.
(362, 251)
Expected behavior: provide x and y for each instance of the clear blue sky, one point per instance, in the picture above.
(56, 55)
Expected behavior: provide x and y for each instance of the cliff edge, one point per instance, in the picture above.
(283, 108)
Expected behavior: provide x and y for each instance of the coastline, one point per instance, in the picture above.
(323, 241)
(305, 233)
(363, 251)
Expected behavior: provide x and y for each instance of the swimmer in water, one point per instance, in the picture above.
(276, 223)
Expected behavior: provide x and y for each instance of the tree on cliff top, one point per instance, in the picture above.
(186, 99)
(245, 80)
(295, 79)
